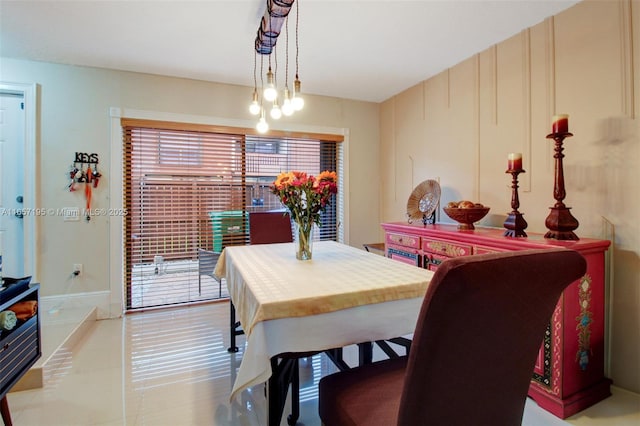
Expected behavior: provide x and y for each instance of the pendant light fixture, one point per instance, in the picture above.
(254, 107)
(287, 106)
(276, 112)
(297, 101)
(262, 126)
(275, 15)
(270, 93)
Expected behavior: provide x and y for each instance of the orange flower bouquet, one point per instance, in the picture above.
(306, 197)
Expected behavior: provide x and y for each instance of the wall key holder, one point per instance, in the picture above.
(90, 177)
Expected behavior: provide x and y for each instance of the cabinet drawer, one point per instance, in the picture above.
(485, 250)
(433, 261)
(18, 351)
(403, 240)
(404, 255)
(445, 248)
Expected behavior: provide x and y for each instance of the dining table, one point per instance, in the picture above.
(342, 296)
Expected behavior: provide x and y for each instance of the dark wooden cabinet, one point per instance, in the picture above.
(569, 372)
(20, 347)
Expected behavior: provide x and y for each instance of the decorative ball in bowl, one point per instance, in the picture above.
(466, 213)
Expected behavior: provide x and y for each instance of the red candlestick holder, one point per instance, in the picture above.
(515, 223)
(560, 221)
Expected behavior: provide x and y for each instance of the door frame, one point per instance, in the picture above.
(31, 172)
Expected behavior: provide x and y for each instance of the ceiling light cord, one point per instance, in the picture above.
(297, 101)
(276, 112)
(270, 92)
(262, 126)
(287, 106)
(254, 107)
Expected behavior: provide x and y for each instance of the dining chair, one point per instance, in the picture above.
(475, 344)
(207, 260)
(270, 227)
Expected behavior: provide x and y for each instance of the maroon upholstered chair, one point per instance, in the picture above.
(478, 333)
(270, 227)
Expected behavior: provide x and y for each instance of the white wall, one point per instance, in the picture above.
(74, 110)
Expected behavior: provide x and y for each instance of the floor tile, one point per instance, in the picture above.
(171, 367)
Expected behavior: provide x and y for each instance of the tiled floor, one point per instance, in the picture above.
(171, 367)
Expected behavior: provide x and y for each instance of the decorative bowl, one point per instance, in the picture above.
(466, 217)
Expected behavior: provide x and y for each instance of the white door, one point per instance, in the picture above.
(12, 148)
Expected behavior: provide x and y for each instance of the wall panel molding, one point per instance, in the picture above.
(550, 44)
(477, 125)
(627, 59)
(525, 179)
(448, 88)
(494, 94)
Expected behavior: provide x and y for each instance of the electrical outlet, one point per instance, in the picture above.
(77, 269)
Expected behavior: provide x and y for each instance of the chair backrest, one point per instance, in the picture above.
(207, 262)
(480, 328)
(270, 227)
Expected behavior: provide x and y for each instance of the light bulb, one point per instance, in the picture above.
(297, 101)
(276, 112)
(287, 107)
(254, 107)
(262, 126)
(270, 92)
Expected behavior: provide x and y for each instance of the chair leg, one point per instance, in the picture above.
(365, 353)
(4, 409)
(283, 374)
(292, 419)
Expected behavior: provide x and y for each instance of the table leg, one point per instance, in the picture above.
(292, 419)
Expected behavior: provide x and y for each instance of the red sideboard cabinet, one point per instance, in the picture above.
(569, 372)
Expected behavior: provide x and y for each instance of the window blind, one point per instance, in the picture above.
(189, 186)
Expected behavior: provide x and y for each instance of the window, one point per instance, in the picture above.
(190, 186)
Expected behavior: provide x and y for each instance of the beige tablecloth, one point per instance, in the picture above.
(342, 296)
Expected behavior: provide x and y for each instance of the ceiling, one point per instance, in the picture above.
(359, 49)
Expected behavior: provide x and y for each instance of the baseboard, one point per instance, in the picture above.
(101, 300)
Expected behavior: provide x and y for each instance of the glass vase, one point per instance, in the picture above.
(303, 240)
